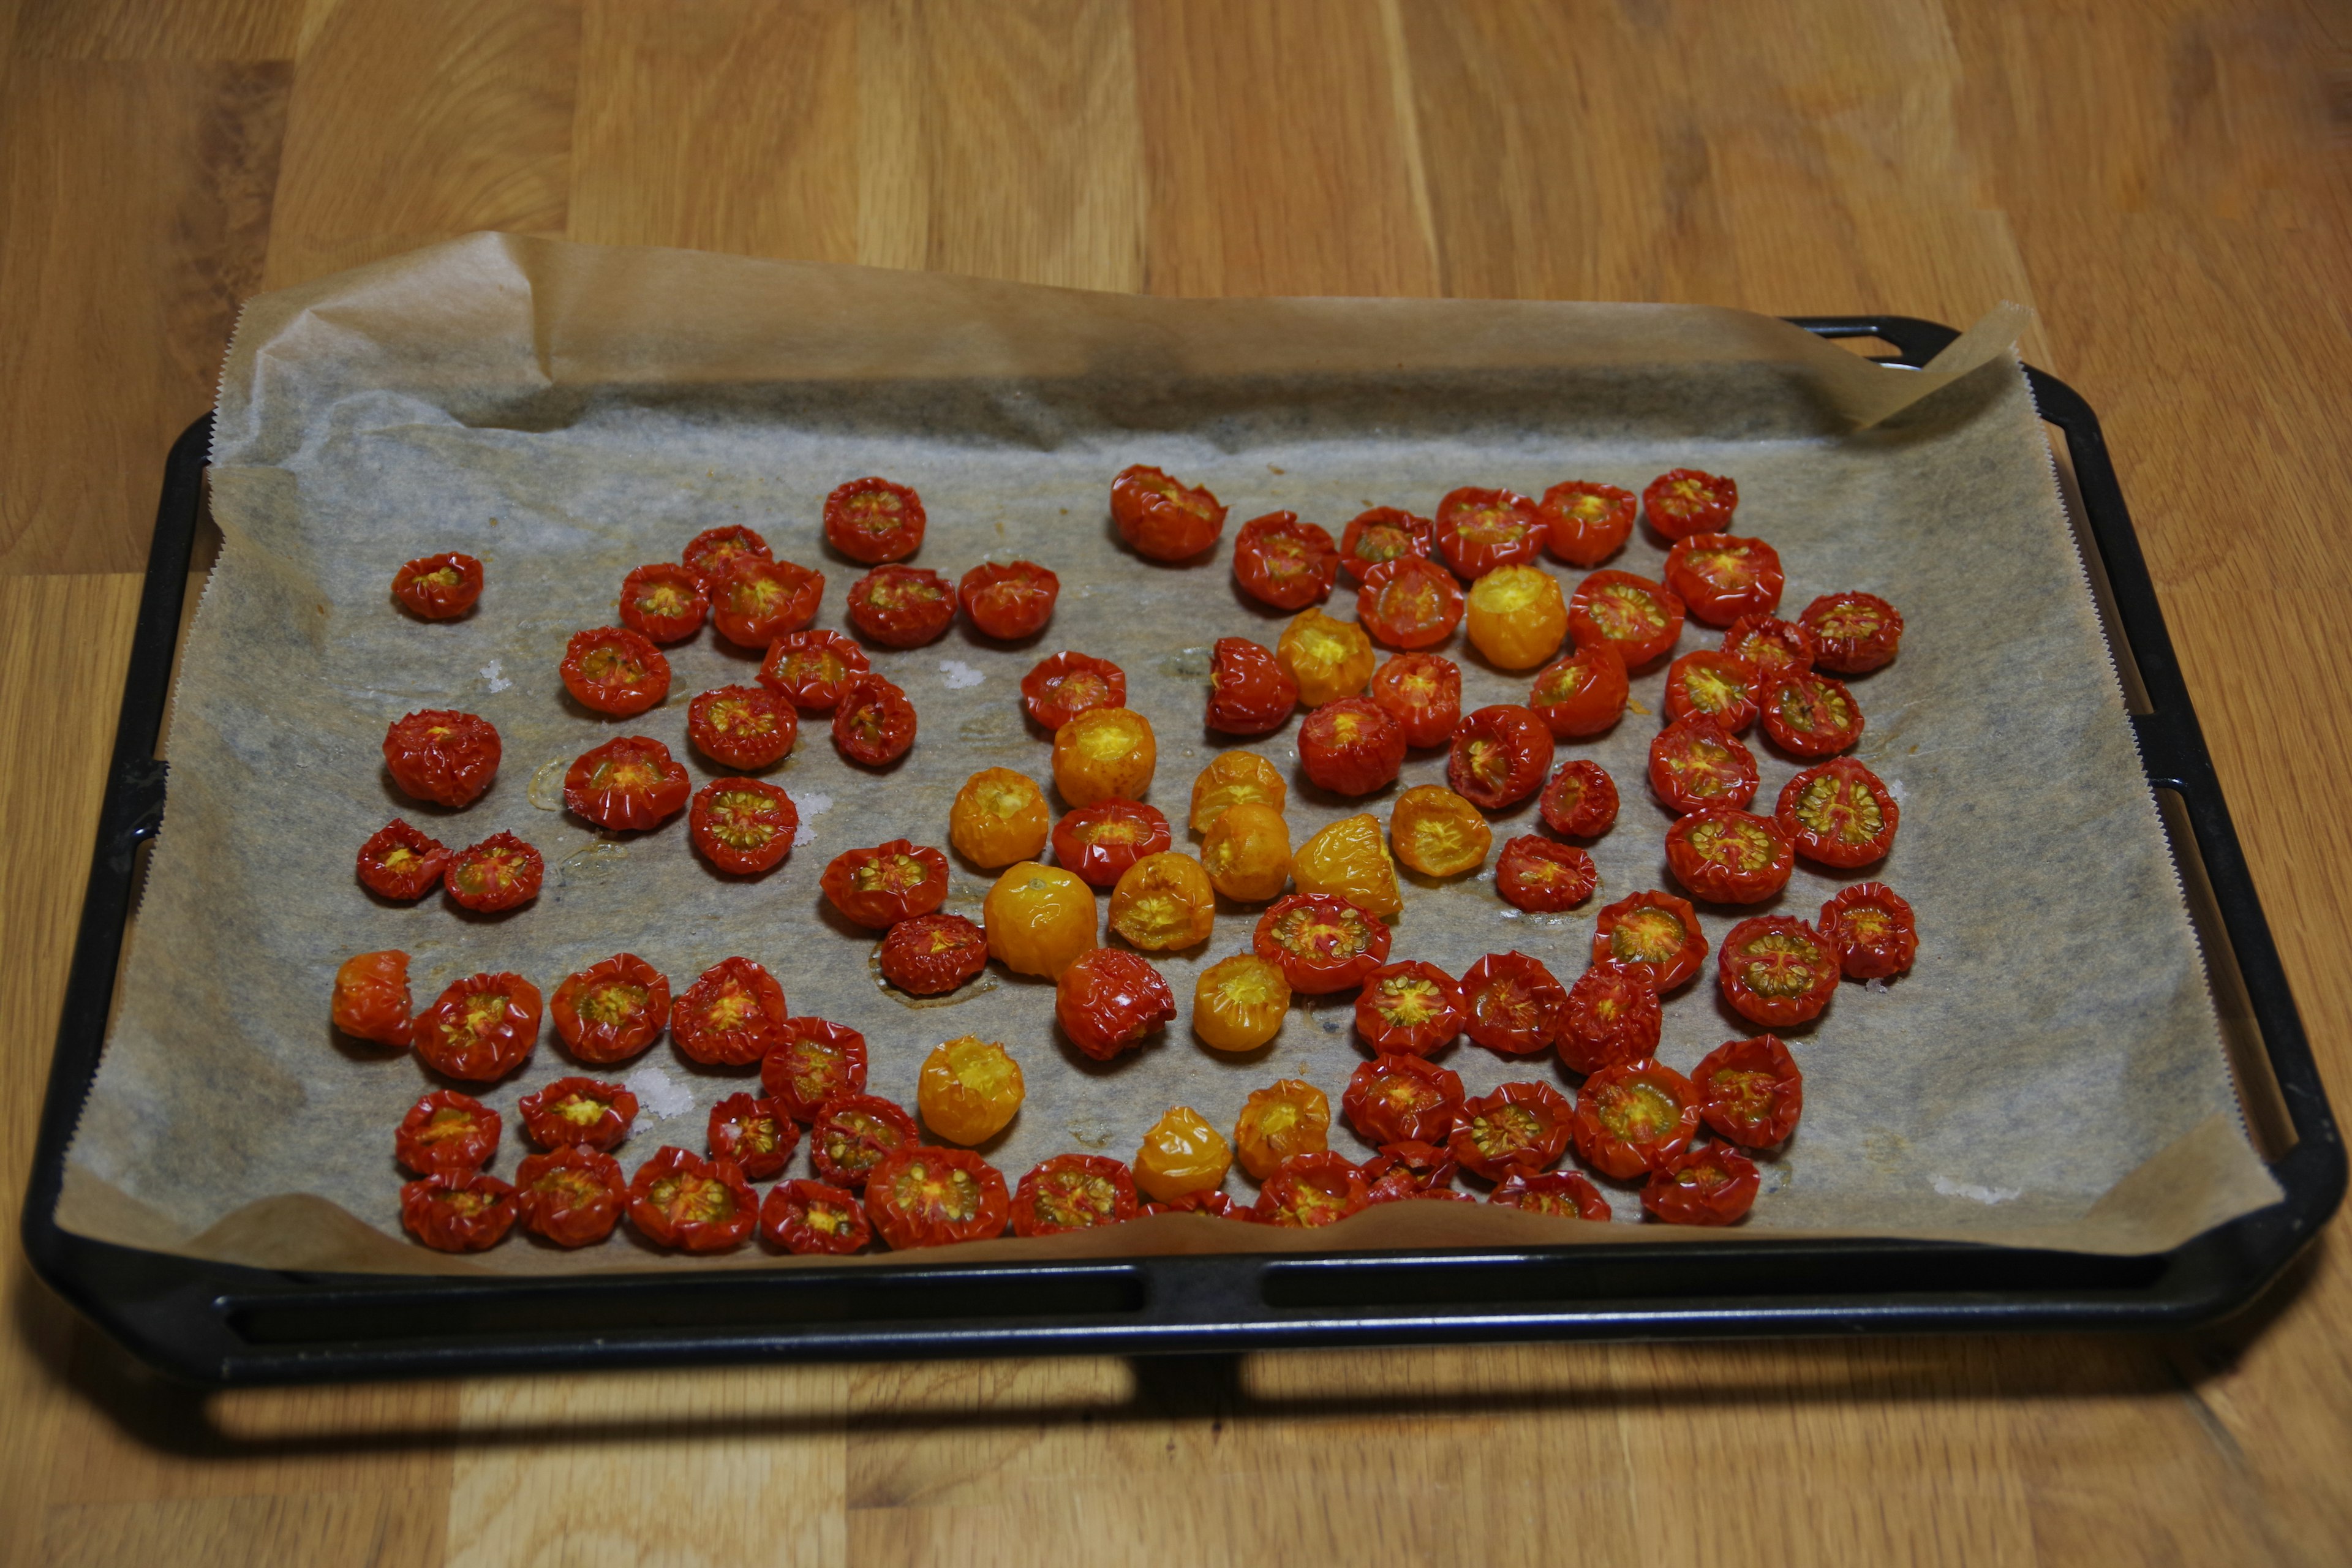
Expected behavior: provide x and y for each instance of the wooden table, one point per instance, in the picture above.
(2166, 182)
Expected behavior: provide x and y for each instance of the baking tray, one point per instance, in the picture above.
(220, 1324)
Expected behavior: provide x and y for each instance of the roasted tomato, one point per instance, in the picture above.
(1581, 693)
(1544, 878)
(501, 872)
(1059, 689)
(446, 1131)
(1838, 813)
(1612, 1018)
(1719, 577)
(999, 816)
(874, 723)
(445, 757)
(662, 601)
(970, 1090)
(1566, 1194)
(1478, 531)
(743, 826)
(1234, 778)
(1517, 618)
(1410, 1169)
(1655, 929)
(1777, 971)
(399, 862)
(1810, 715)
(731, 1017)
(480, 1029)
(715, 551)
(1349, 860)
(439, 587)
(1852, 634)
(1384, 533)
(1108, 1001)
(873, 520)
(1281, 562)
(878, 888)
(572, 1196)
(1310, 1190)
(1771, 648)
(1684, 501)
(1637, 618)
(812, 1062)
(466, 1212)
(1410, 1009)
(1351, 746)
(853, 1132)
(1511, 1004)
(1328, 659)
(931, 1197)
(1586, 523)
(1162, 518)
(1009, 600)
(1289, 1117)
(1182, 1155)
(1246, 853)
(1322, 942)
(1423, 692)
(1750, 1091)
(1437, 833)
(808, 1218)
(1521, 1127)
(755, 602)
(1714, 684)
(1694, 764)
(1580, 801)
(679, 1199)
(1727, 856)
(902, 606)
(371, 1000)
(1633, 1118)
(742, 726)
(610, 1011)
(930, 955)
(1099, 842)
(615, 671)
(1238, 1002)
(1410, 603)
(1164, 901)
(1249, 692)
(1712, 1186)
(1396, 1099)
(811, 670)
(1072, 1192)
(1105, 753)
(755, 1133)
(1872, 930)
(578, 1110)
(1039, 919)
(628, 782)
(1499, 757)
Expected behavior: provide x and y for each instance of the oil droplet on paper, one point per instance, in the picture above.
(546, 791)
(593, 864)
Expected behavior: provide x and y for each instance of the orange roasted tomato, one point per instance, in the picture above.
(852, 1134)
(610, 1011)
(679, 1199)
(754, 1133)
(1851, 633)
(1517, 618)
(1521, 1128)
(1710, 1186)
(1633, 1118)
(1410, 603)
(812, 1062)
(1768, 648)
(1351, 746)
(578, 1110)
(1309, 1190)
(1437, 833)
(931, 1197)
(902, 606)
(501, 872)
(878, 888)
(1072, 1192)
(743, 826)
(1750, 1091)
(1009, 600)
(399, 862)
(1384, 533)
(481, 1028)
(1581, 693)
(1720, 577)
(1349, 859)
(1281, 562)
(715, 551)
(1511, 1004)
(1580, 801)
(1039, 919)
(755, 601)
(1249, 691)
(1162, 519)
(372, 1000)
(662, 601)
(1060, 688)
(1238, 1002)
(930, 955)
(441, 755)
(1810, 715)
(1104, 753)
(1586, 523)
(1838, 813)
(1181, 1155)
(1655, 929)
(732, 1015)
(1612, 1018)
(446, 1131)
(1322, 942)
(811, 1219)
(873, 520)
(1422, 692)
(613, 670)
(1872, 928)
(1164, 901)
(1684, 501)
(1499, 757)
(811, 670)
(1777, 971)
(970, 1090)
(999, 816)
(1478, 531)
(1401, 1099)
(1544, 878)
(1568, 1194)
(742, 726)
(1714, 684)
(1632, 614)
(1727, 857)
(572, 1196)
(1108, 1001)
(1246, 853)
(874, 723)
(1099, 842)
(1236, 778)
(439, 587)
(1694, 764)
(1328, 659)
(463, 1212)
(629, 783)
(1411, 1009)
(1290, 1117)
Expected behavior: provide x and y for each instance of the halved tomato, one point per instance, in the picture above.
(1810, 715)
(1097, 843)
(1422, 692)
(1684, 501)
(1320, 941)
(481, 1028)
(501, 872)
(1714, 683)
(743, 826)
(1580, 801)
(1162, 518)
(1612, 1018)
(679, 1199)
(629, 783)
(873, 520)
(812, 1062)
(1634, 1117)
(1310, 1190)
(714, 552)
(1249, 691)
(1872, 930)
(1351, 746)
(1709, 1185)
(1519, 1128)
(756, 601)
(1009, 601)
(1074, 1192)
(1397, 1099)
(1582, 693)
(1410, 603)
(878, 888)
(1721, 577)
(611, 1010)
(1853, 633)
(731, 1017)
(1639, 618)
(1384, 533)
(1838, 813)
(1544, 878)
(1750, 1091)
(1655, 929)
(1066, 685)
(1499, 757)
(1409, 1009)
(442, 755)
(1777, 971)
(615, 671)
(1568, 1194)
(1586, 523)
(400, 862)
(662, 601)
(1727, 856)
(1479, 530)
(921, 1196)
(1281, 562)
(811, 669)
(1769, 647)
(1511, 1004)
(439, 587)
(742, 726)
(1694, 764)
(874, 724)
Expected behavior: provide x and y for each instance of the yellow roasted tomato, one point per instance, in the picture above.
(1180, 1155)
(1290, 1118)
(1104, 753)
(1163, 901)
(1329, 658)
(999, 816)
(1236, 778)
(1437, 833)
(1239, 1002)
(1351, 857)
(1247, 852)
(969, 1091)
(1039, 919)
(1517, 616)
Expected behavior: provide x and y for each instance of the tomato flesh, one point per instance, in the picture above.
(873, 520)
(1612, 1018)
(1409, 1009)
(743, 825)
(1872, 928)
(611, 669)
(755, 1133)
(631, 783)
(1521, 1127)
(1777, 971)
(1838, 813)
(1639, 618)
(679, 1199)
(1654, 930)
(1321, 942)
(1544, 878)
(1499, 757)
(1853, 633)
(1281, 562)
(1011, 601)
(811, 670)
(1810, 715)
(1410, 603)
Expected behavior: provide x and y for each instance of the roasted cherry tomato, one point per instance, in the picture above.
(1059, 689)
(1105, 753)
(446, 1131)
(1714, 685)
(1162, 518)
(731, 1017)
(662, 601)
(578, 1110)
(1568, 1194)
(1639, 618)
(1581, 693)
(460, 1212)
(1351, 746)
(1517, 618)
(1634, 1116)
(1694, 764)
(439, 587)
(1810, 715)
(902, 606)
(1612, 1018)
(1521, 1127)
(480, 1029)
(1410, 603)
(1838, 813)
(930, 955)
(811, 670)
(715, 551)
(743, 826)
(1246, 853)
(742, 726)
(1499, 757)
(755, 602)
(1234, 778)
(679, 1199)
(1349, 860)
(1328, 660)
(1384, 533)
(1009, 600)
(1544, 878)
(755, 1133)
(1437, 833)
(1396, 1099)
(873, 520)
(1771, 648)
(999, 816)
(1313, 1189)
(1478, 531)
(878, 888)
(1727, 857)
(399, 862)
(1289, 1117)
(1684, 501)
(501, 872)
(853, 1132)
(812, 1062)
(1586, 523)
(1872, 930)
(1164, 901)
(1712, 1186)
(572, 1196)
(1072, 1192)
(1655, 929)
(1422, 1167)
(1423, 692)
(445, 757)
(1249, 691)
(1410, 1009)
(1719, 577)
(610, 1011)
(931, 1197)
(970, 1090)
(1750, 1091)
(1039, 919)
(1853, 633)
(1511, 1004)
(1777, 971)
(808, 1218)
(1322, 942)
(615, 671)
(371, 1000)
(1110, 1001)
(1097, 843)
(1238, 1002)
(631, 782)
(1182, 1156)
(874, 723)
(1281, 562)
(1580, 801)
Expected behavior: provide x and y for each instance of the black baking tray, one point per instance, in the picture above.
(216, 1324)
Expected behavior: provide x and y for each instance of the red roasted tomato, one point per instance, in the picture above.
(922, 1197)
(1655, 929)
(1838, 813)
(439, 587)
(930, 955)
(1582, 693)
(1586, 523)
(742, 726)
(715, 551)
(679, 1199)
(1410, 603)
(811, 669)
(1411, 1009)
(755, 1133)
(1637, 618)
(1074, 1192)
(446, 757)
(613, 670)
(631, 782)
(1612, 1018)
(891, 882)
(1727, 857)
(1162, 518)
(812, 1063)
(1499, 757)
(1210, 1201)
(1872, 930)
(1351, 746)
(578, 1110)
(1712, 1185)
(1097, 843)
(1777, 971)
(902, 606)
(1566, 1194)
(1750, 1091)
(1384, 533)
(610, 1011)
(1511, 1004)
(1061, 687)
(853, 1132)
(466, 1212)
(757, 600)
(1011, 601)
(371, 997)
(1580, 801)
(1769, 648)
(1852, 634)
(1478, 531)
(1320, 941)
(743, 826)
(1422, 692)
(1409, 1169)
(1720, 577)
(808, 1218)
(1684, 501)
(572, 1196)
(481, 1028)
(501, 872)
(1249, 692)
(874, 723)
(1713, 684)
(1109, 1000)
(1544, 878)
(1521, 1127)
(662, 601)
(1810, 715)
(1694, 764)
(1281, 562)
(446, 1131)
(1633, 1118)
(873, 520)
(731, 1017)
(1396, 1099)
(399, 862)
(1309, 1190)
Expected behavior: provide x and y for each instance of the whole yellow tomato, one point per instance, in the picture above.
(1039, 919)
(1351, 857)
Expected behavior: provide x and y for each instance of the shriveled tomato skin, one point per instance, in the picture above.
(1684, 501)
(1074, 1192)
(1654, 930)
(1775, 970)
(809, 1218)
(1327, 658)
(1039, 919)
(1521, 1127)
(664, 602)
(441, 755)
(1727, 856)
(501, 872)
(630, 783)
(1312, 1189)
(925, 1196)
(1009, 601)
(1351, 747)
(572, 1196)
(1065, 685)
(811, 669)
(371, 997)
(1517, 619)
(1544, 878)
(930, 955)
(1410, 1008)
(715, 551)
(1612, 1018)
(1410, 603)
(732, 1015)
(1585, 523)
(756, 1134)
(1320, 941)
(1719, 577)
(1839, 814)
(480, 1029)
(853, 1134)
(1582, 693)
(439, 587)
(1633, 1117)
(743, 825)
(1105, 753)
(1284, 562)
(1581, 801)
(1162, 519)
(679, 1199)
(1810, 715)
(1694, 764)
(400, 862)
(1398, 1098)
(1872, 928)
(1499, 757)
(1853, 633)
(578, 1110)
(1641, 619)
(878, 888)
(446, 1131)
(755, 601)
(459, 1212)
(1384, 533)
(613, 670)
(1771, 648)
(611, 1010)
(1097, 843)
(1109, 1001)
(874, 723)
(1480, 530)
(1750, 1091)
(1711, 1186)
(1211, 1201)
(1715, 684)
(1511, 1004)
(742, 726)
(1423, 692)
(812, 1062)
(902, 606)
(1249, 692)
(1566, 1193)
(874, 520)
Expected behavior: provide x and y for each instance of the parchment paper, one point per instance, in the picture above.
(2052, 1072)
